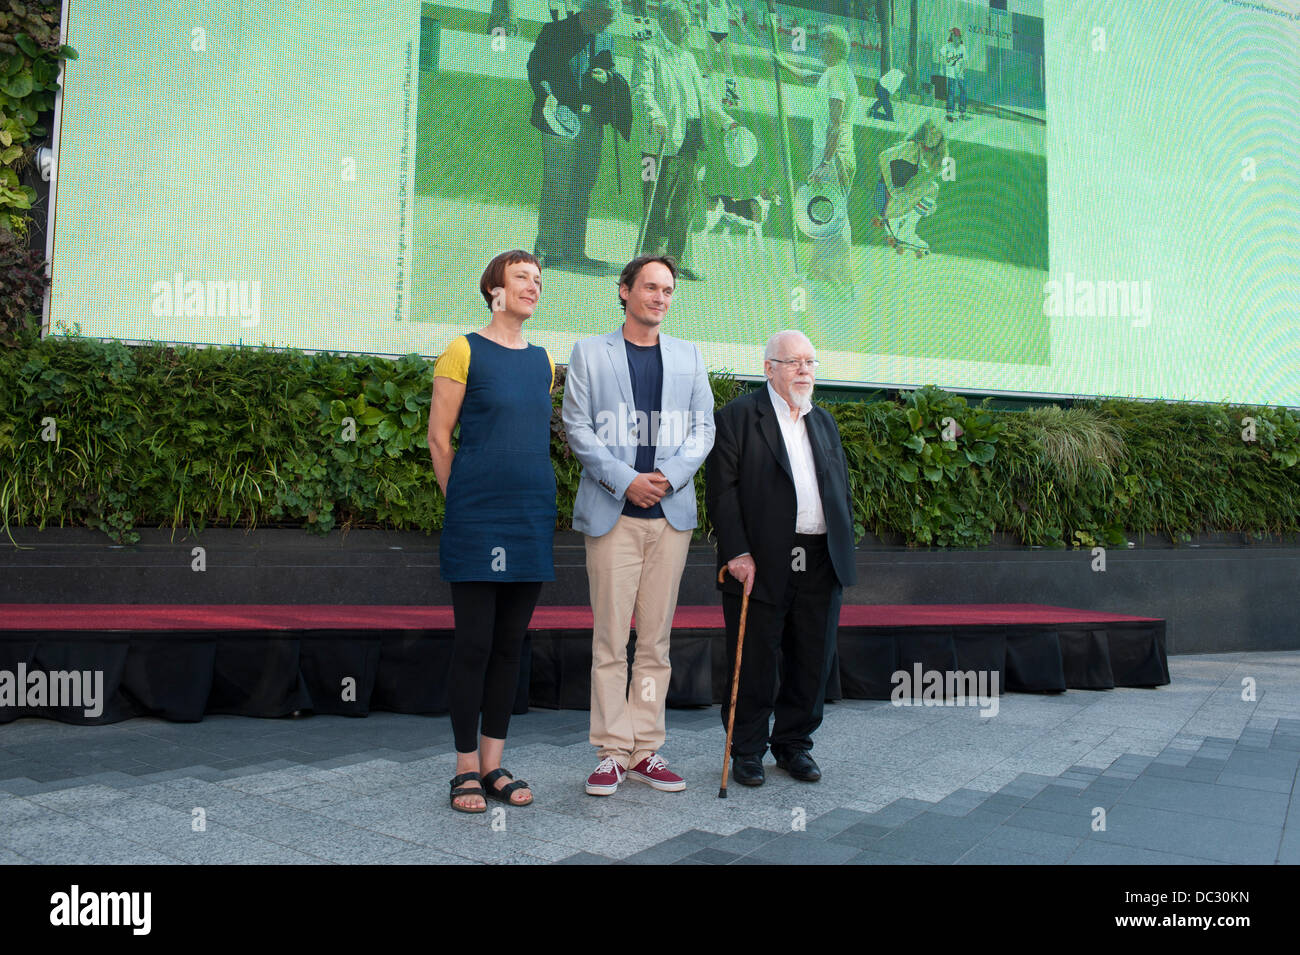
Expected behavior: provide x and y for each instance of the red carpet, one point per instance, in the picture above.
(137, 617)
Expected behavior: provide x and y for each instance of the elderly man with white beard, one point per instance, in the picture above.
(777, 491)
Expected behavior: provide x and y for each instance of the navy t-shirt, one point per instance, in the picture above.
(646, 366)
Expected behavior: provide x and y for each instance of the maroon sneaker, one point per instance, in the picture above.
(654, 770)
(604, 781)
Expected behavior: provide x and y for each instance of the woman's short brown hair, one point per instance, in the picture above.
(494, 276)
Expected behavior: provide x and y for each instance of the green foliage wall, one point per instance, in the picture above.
(111, 437)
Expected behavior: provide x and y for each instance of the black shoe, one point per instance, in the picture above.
(551, 260)
(747, 770)
(590, 266)
(689, 274)
(800, 765)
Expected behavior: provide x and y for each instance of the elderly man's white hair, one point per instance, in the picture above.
(839, 40)
(674, 8)
(773, 349)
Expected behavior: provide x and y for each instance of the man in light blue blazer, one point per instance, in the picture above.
(638, 413)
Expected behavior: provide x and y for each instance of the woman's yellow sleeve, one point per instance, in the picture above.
(454, 362)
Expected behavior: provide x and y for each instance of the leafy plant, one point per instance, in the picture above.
(103, 435)
(22, 278)
(29, 78)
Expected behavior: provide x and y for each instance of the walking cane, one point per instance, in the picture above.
(735, 685)
(654, 190)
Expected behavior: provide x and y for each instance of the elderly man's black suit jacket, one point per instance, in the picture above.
(749, 491)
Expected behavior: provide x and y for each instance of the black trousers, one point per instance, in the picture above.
(491, 621)
(790, 646)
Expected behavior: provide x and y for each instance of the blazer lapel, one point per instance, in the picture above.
(770, 428)
(618, 364)
(819, 447)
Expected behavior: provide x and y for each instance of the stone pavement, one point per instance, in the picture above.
(1187, 773)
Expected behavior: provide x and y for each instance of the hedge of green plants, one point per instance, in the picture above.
(114, 437)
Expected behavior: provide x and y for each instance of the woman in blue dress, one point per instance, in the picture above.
(499, 527)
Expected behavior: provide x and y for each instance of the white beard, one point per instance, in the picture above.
(802, 399)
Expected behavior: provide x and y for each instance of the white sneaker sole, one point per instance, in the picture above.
(662, 787)
(603, 790)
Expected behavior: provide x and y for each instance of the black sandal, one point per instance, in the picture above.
(503, 794)
(464, 791)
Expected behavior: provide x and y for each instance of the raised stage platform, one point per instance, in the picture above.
(180, 662)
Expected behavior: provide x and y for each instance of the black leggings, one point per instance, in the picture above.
(491, 620)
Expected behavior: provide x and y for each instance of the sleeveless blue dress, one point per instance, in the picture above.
(500, 520)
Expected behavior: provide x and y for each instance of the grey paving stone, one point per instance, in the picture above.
(22, 786)
(1071, 824)
(1131, 763)
(748, 839)
(1288, 852)
(871, 857)
(1081, 805)
(1027, 784)
(585, 858)
(1001, 800)
(388, 807)
(802, 849)
(861, 836)
(934, 838)
(1274, 765)
(1100, 853)
(712, 856)
(74, 799)
(677, 847)
(1206, 799)
(1106, 792)
(991, 855)
(1177, 833)
(1182, 772)
(834, 822)
(1118, 774)
(1047, 846)
(898, 812)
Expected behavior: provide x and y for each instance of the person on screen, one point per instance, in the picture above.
(886, 87)
(497, 536)
(834, 160)
(504, 19)
(908, 188)
(953, 57)
(570, 60)
(717, 24)
(559, 9)
(638, 415)
(671, 100)
(778, 493)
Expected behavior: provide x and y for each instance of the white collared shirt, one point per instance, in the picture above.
(679, 64)
(809, 517)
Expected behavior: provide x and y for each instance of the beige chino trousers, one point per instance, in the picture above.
(636, 567)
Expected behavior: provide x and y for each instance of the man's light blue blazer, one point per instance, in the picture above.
(604, 429)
